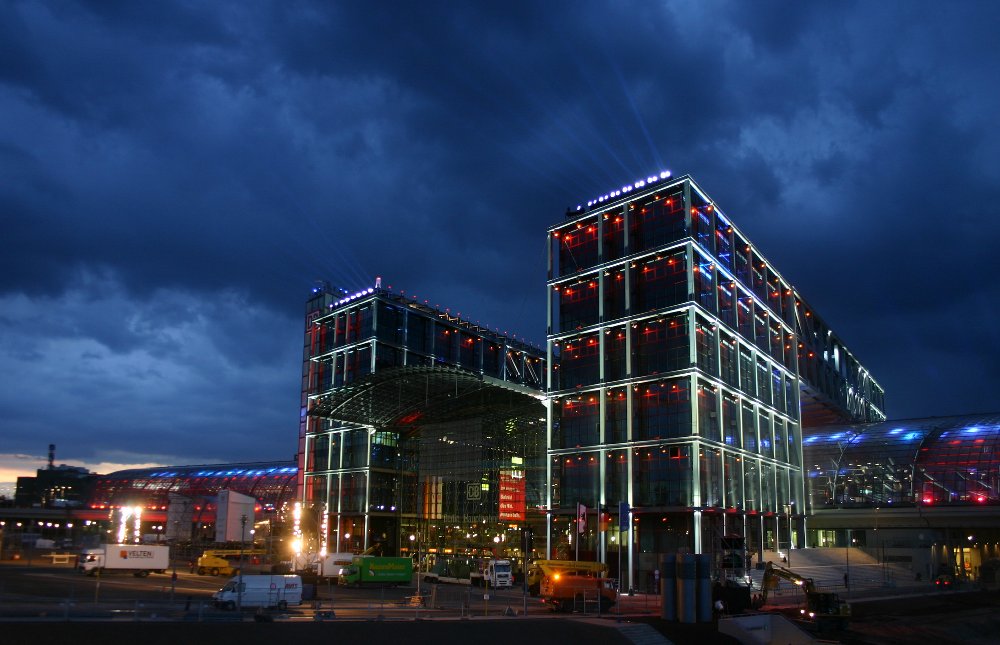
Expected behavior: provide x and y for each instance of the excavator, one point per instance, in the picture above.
(824, 608)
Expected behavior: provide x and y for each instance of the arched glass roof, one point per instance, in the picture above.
(937, 460)
(271, 483)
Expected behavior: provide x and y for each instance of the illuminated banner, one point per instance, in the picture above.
(512, 497)
(433, 498)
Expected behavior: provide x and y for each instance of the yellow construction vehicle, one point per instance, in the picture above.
(824, 608)
(569, 584)
(225, 562)
(540, 568)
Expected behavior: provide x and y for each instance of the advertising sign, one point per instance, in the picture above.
(512, 496)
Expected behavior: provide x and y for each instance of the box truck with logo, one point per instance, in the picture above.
(369, 569)
(137, 559)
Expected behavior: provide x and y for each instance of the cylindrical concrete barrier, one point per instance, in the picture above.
(668, 589)
(704, 567)
(686, 571)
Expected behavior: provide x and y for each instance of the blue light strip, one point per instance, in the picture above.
(627, 188)
(360, 294)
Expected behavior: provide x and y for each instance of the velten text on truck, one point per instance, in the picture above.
(370, 569)
(137, 559)
(267, 592)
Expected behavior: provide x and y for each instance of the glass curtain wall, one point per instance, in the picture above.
(673, 377)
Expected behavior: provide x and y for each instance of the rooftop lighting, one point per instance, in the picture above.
(642, 183)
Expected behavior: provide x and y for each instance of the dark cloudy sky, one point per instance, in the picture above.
(175, 176)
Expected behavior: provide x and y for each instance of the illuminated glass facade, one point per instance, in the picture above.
(271, 484)
(921, 493)
(952, 461)
(411, 419)
(683, 366)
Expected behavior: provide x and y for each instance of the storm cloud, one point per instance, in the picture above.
(176, 176)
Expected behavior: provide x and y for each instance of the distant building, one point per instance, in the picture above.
(183, 502)
(682, 368)
(177, 502)
(54, 486)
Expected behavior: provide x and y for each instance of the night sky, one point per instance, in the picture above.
(175, 177)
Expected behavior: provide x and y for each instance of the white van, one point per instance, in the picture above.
(260, 591)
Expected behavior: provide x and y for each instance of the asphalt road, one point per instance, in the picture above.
(43, 602)
(58, 589)
(57, 604)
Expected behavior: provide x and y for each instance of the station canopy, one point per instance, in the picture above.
(406, 398)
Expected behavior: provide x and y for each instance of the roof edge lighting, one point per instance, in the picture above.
(627, 188)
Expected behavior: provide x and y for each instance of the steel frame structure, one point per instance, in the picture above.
(682, 367)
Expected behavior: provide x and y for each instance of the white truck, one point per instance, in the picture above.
(498, 574)
(333, 565)
(268, 592)
(137, 559)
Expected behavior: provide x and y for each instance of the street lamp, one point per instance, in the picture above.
(788, 555)
(415, 542)
(239, 588)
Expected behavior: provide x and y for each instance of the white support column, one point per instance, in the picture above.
(696, 522)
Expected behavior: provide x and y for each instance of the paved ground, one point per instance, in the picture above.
(477, 631)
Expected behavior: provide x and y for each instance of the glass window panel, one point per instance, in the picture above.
(704, 282)
(723, 247)
(708, 416)
(749, 428)
(733, 478)
(660, 345)
(614, 353)
(614, 293)
(728, 360)
(711, 478)
(616, 415)
(658, 222)
(575, 421)
(580, 361)
(578, 247)
(659, 281)
(577, 477)
(662, 409)
(662, 475)
(578, 303)
(614, 236)
(731, 420)
(706, 345)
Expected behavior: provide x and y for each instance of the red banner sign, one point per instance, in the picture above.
(512, 498)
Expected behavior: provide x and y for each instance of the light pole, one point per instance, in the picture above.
(173, 552)
(239, 588)
(415, 541)
(788, 554)
(847, 576)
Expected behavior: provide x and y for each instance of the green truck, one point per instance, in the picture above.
(377, 570)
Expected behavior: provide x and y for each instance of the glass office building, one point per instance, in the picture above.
(416, 422)
(682, 368)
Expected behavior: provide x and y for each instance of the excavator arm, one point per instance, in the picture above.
(773, 573)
